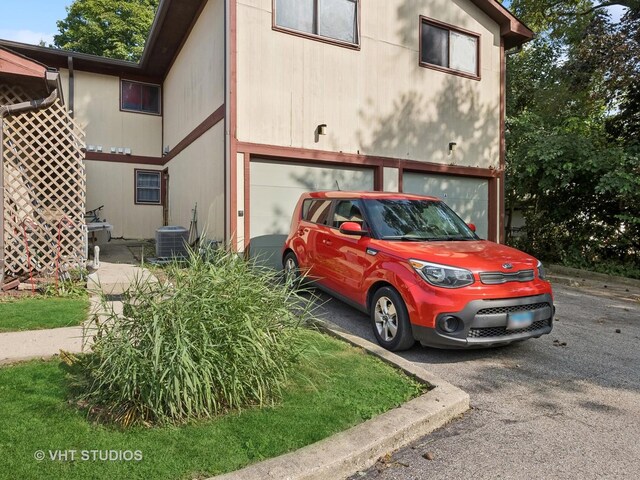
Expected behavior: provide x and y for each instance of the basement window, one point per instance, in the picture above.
(335, 21)
(139, 97)
(147, 187)
(449, 49)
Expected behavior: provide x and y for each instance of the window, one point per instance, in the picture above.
(139, 97)
(347, 211)
(148, 187)
(316, 211)
(445, 48)
(332, 19)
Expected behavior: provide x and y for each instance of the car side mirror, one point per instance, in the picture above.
(472, 227)
(352, 228)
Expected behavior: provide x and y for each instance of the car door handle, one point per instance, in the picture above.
(327, 242)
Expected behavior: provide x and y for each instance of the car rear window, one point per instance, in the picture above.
(316, 211)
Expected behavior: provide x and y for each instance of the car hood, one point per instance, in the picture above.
(478, 256)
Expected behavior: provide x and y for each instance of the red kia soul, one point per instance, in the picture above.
(419, 270)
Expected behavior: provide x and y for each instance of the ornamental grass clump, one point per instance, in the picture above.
(220, 334)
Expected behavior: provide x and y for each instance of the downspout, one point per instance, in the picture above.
(71, 85)
(6, 110)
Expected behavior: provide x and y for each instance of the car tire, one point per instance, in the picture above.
(291, 269)
(390, 320)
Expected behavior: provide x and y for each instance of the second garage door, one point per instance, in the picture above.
(275, 189)
(468, 197)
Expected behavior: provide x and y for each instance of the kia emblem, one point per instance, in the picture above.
(507, 266)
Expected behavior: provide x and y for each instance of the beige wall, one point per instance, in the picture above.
(97, 111)
(196, 175)
(375, 100)
(112, 185)
(194, 88)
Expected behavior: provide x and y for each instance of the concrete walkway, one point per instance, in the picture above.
(110, 279)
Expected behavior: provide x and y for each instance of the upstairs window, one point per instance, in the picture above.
(336, 20)
(449, 49)
(139, 97)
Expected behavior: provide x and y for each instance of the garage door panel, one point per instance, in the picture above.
(468, 197)
(275, 190)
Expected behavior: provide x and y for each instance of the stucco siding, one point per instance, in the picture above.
(376, 100)
(112, 184)
(196, 175)
(194, 87)
(97, 110)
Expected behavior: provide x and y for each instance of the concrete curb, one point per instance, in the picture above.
(561, 271)
(361, 446)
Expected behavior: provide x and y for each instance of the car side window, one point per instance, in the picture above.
(316, 211)
(347, 211)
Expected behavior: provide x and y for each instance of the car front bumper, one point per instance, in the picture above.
(483, 323)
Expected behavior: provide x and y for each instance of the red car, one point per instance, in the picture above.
(419, 270)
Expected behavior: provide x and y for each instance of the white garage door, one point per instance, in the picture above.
(275, 190)
(468, 197)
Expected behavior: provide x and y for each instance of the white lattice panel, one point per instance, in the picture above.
(45, 189)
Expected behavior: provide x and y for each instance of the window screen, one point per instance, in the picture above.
(337, 19)
(148, 187)
(464, 52)
(140, 97)
(295, 14)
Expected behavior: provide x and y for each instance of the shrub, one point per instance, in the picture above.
(71, 284)
(221, 334)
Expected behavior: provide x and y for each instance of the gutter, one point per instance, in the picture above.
(6, 110)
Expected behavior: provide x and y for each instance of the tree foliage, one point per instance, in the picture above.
(109, 28)
(573, 158)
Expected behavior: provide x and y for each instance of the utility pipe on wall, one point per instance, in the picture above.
(71, 86)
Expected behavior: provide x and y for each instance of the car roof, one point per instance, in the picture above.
(331, 194)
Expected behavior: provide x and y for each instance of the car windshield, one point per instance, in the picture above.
(416, 220)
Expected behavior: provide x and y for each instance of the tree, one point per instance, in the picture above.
(572, 125)
(110, 28)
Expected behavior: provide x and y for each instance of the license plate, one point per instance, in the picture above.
(516, 321)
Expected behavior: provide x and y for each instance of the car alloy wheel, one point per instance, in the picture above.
(390, 320)
(291, 270)
(386, 319)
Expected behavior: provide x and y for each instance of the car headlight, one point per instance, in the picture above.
(542, 274)
(442, 275)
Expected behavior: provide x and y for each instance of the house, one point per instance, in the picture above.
(241, 105)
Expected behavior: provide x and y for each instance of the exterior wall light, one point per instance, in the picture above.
(322, 129)
(453, 146)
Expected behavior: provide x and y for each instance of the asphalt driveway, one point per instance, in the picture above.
(566, 405)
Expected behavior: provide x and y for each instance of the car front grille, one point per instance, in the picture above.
(497, 278)
(502, 331)
(512, 309)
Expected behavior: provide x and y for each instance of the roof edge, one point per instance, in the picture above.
(514, 30)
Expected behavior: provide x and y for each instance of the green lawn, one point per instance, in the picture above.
(336, 387)
(39, 312)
